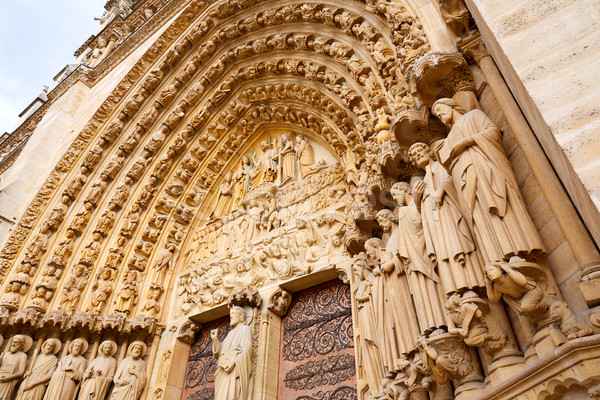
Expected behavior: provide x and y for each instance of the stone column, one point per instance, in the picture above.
(575, 231)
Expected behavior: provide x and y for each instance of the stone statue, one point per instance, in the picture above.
(234, 358)
(127, 297)
(422, 279)
(483, 177)
(225, 200)
(448, 238)
(130, 378)
(470, 325)
(39, 373)
(72, 289)
(12, 365)
(99, 374)
(65, 380)
(369, 356)
(287, 159)
(266, 166)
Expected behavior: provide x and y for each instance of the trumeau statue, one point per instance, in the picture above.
(234, 361)
(39, 373)
(12, 364)
(69, 373)
(99, 374)
(130, 378)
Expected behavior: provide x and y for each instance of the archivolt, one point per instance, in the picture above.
(239, 67)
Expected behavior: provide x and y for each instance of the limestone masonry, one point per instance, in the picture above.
(281, 199)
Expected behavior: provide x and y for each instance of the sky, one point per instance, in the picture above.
(37, 39)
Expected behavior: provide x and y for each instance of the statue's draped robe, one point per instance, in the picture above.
(422, 279)
(396, 321)
(44, 365)
(447, 234)
(96, 386)
(488, 192)
(236, 349)
(132, 387)
(369, 352)
(62, 386)
(12, 363)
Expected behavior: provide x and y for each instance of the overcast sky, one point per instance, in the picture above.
(37, 39)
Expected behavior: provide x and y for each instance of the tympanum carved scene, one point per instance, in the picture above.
(296, 200)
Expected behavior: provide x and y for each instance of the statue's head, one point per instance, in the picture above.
(78, 347)
(237, 315)
(373, 247)
(17, 344)
(385, 218)
(137, 349)
(399, 191)
(443, 109)
(420, 154)
(454, 302)
(51, 346)
(493, 271)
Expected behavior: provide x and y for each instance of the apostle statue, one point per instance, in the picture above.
(369, 353)
(234, 358)
(266, 166)
(131, 374)
(12, 364)
(38, 375)
(99, 374)
(65, 380)
(487, 189)
(422, 279)
(448, 238)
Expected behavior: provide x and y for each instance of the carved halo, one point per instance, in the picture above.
(144, 347)
(28, 342)
(57, 344)
(84, 345)
(113, 346)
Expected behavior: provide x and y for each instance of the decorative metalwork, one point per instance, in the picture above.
(199, 383)
(319, 321)
(317, 350)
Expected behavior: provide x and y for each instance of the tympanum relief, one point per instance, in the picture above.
(262, 227)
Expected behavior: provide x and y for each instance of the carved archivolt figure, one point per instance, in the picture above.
(447, 235)
(102, 288)
(99, 374)
(369, 353)
(38, 375)
(130, 378)
(266, 166)
(234, 358)
(488, 192)
(128, 294)
(65, 380)
(12, 364)
(72, 290)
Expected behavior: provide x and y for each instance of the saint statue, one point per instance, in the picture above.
(287, 157)
(225, 200)
(305, 155)
(38, 375)
(369, 355)
(65, 380)
(99, 374)
(487, 189)
(131, 374)
(234, 358)
(12, 365)
(422, 279)
(448, 238)
(265, 169)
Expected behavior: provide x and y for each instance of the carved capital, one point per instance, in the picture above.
(473, 48)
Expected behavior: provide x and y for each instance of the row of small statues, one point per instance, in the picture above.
(47, 378)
